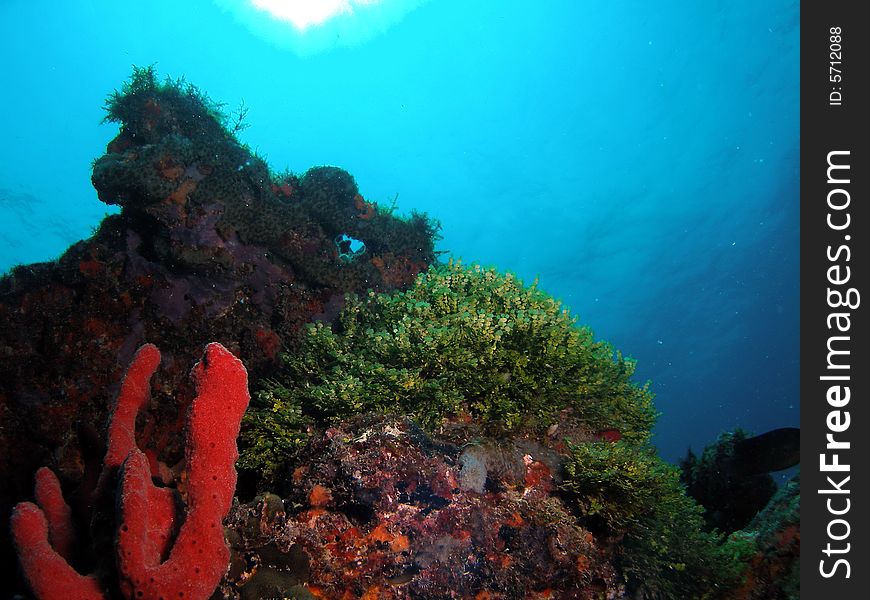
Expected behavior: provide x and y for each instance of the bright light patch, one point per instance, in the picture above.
(311, 26)
(305, 13)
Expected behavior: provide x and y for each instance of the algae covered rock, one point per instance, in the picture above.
(773, 562)
(211, 244)
(664, 552)
(177, 157)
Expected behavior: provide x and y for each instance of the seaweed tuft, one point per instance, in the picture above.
(149, 109)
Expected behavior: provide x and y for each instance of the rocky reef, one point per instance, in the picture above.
(378, 508)
(731, 481)
(210, 245)
(416, 429)
(731, 494)
(472, 415)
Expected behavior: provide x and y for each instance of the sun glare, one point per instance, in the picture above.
(311, 26)
(307, 13)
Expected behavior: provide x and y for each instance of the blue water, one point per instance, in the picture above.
(640, 158)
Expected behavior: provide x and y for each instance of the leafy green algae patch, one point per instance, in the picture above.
(464, 342)
(469, 344)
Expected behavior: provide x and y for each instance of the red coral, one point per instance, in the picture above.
(91, 268)
(397, 271)
(199, 556)
(43, 536)
(609, 435)
(286, 189)
(57, 512)
(134, 393)
(49, 574)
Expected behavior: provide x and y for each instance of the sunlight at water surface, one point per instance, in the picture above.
(306, 13)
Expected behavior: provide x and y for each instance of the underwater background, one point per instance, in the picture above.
(639, 159)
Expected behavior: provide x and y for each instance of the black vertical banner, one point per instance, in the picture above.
(835, 368)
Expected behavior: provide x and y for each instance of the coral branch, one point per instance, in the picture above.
(57, 512)
(134, 393)
(49, 574)
(200, 556)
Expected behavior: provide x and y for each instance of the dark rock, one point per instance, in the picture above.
(210, 245)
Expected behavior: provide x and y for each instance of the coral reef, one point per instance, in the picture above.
(377, 508)
(210, 245)
(159, 552)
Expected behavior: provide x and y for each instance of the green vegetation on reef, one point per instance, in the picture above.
(461, 341)
(193, 114)
(471, 342)
(178, 148)
(616, 484)
(623, 489)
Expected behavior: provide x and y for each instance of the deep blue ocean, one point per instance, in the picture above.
(639, 158)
